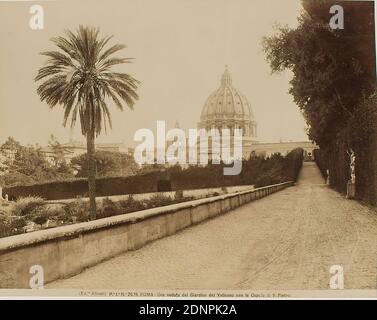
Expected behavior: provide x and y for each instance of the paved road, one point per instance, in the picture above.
(286, 241)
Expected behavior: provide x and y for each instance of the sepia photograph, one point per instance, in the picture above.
(188, 149)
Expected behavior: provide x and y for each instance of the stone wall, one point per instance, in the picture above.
(65, 251)
(195, 194)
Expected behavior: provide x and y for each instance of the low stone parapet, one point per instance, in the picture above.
(65, 251)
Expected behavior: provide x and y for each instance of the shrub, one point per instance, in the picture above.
(55, 211)
(195, 177)
(16, 178)
(40, 218)
(82, 216)
(158, 201)
(263, 181)
(71, 188)
(64, 216)
(293, 164)
(131, 205)
(26, 206)
(17, 225)
(5, 229)
(108, 209)
(78, 209)
(178, 194)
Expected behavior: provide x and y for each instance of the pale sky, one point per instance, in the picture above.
(180, 49)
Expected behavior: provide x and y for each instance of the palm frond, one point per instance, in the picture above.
(110, 51)
(79, 78)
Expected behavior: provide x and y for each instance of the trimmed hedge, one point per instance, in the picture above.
(255, 171)
(107, 186)
(293, 164)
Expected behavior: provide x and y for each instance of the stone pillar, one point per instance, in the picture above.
(1, 193)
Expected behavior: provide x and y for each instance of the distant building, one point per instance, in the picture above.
(74, 149)
(228, 108)
(268, 149)
(113, 147)
(225, 108)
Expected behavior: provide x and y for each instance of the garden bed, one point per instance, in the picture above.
(33, 213)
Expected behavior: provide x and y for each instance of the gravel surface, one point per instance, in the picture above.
(288, 240)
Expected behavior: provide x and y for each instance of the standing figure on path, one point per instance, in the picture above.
(353, 166)
(351, 189)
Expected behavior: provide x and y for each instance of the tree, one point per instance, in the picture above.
(7, 150)
(107, 164)
(31, 166)
(30, 161)
(332, 69)
(78, 77)
(334, 78)
(10, 144)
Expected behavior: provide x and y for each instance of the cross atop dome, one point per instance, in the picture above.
(226, 79)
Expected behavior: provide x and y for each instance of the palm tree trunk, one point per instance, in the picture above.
(90, 140)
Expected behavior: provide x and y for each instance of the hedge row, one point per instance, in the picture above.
(107, 186)
(293, 164)
(256, 171)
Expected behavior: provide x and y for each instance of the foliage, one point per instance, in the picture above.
(332, 69)
(16, 178)
(40, 218)
(17, 224)
(334, 79)
(107, 164)
(259, 171)
(30, 161)
(109, 208)
(293, 164)
(159, 200)
(30, 166)
(26, 206)
(11, 144)
(78, 209)
(131, 205)
(78, 77)
(11, 226)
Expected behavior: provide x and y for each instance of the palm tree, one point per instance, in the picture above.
(78, 77)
